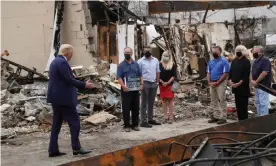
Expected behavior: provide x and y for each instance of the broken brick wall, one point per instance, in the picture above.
(27, 29)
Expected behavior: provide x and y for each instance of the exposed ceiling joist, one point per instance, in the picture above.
(158, 7)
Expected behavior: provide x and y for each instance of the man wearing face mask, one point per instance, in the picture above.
(261, 74)
(151, 74)
(131, 80)
(239, 81)
(217, 73)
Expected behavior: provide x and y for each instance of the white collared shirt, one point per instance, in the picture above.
(64, 57)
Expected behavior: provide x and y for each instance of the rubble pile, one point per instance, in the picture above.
(24, 106)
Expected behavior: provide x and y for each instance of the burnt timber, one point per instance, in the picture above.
(156, 153)
(29, 78)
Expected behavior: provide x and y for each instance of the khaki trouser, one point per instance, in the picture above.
(218, 101)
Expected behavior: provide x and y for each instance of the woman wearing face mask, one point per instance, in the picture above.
(167, 76)
(239, 81)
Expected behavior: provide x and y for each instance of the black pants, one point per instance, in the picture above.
(131, 101)
(242, 106)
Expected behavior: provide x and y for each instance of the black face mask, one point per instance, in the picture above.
(239, 54)
(127, 57)
(215, 55)
(256, 55)
(147, 54)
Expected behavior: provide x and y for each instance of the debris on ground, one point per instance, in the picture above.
(101, 117)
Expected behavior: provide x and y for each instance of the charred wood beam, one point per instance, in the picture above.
(130, 13)
(31, 72)
(59, 6)
(205, 15)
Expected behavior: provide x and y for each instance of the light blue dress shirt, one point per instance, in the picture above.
(149, 68)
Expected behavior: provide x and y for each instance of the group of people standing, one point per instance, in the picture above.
(238, 75)
(143, 77)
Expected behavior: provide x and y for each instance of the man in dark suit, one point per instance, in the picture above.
(62, 94)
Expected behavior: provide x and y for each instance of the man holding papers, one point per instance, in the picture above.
(130, 77)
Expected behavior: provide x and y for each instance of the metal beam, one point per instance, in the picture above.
(157, 7)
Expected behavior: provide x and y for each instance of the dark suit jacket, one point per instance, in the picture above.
(62, 84)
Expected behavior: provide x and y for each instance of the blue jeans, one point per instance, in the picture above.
(262, 102)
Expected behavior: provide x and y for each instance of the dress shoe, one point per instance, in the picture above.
(213, 120)
(57, 154)
(127, 129)
(153, 122)
(136, 128)
(221, 121)
(146, 125)
(81, 151)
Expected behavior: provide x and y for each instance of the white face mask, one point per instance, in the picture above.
(166, 59)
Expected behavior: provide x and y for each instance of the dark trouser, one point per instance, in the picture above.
(70, 115)
(242, 106)
(130, 101)
(148, 98)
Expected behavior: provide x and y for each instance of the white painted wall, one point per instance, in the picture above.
(151, 33)
(121, 37)
(27, 30)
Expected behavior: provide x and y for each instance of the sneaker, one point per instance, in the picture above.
(136, 128)
(146, 125)
(170, 121)
(221, 121)
(127, 129)
(153, 122)
(213, 120)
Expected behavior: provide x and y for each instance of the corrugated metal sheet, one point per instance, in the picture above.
(157, 7)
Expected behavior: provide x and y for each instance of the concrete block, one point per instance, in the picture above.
(73, 35)
(91, 47)
(80, 35)
(88, 34)
(77, 7)
(84, 41)
(88, 20)
(75, 26)
(100, 117)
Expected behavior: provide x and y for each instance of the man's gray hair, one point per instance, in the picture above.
(65, 48)
(128, 48)
(259, 47)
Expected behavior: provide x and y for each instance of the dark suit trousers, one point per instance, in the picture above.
(242, 106)
(70, 115)
(130, 102)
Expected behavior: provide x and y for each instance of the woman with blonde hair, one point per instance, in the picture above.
(239, 81)
(167, 76)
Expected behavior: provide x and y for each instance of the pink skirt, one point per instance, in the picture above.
(166, 92)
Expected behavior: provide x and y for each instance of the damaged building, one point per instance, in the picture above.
(99, 32)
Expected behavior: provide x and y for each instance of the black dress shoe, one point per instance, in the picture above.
(146, 125)
(213, 120)
(153, 122)
(57, 154)
(81, 151)
(221, 121)
(135, 128)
